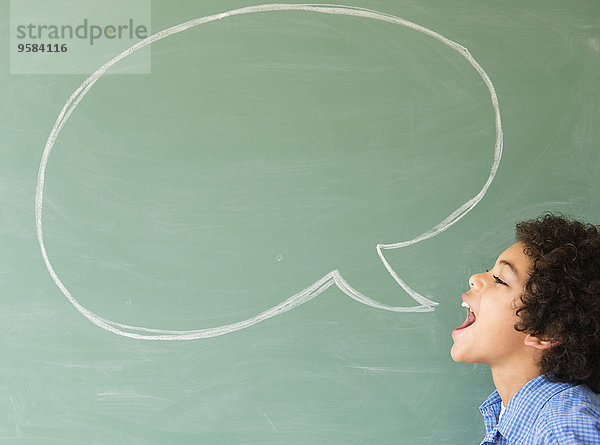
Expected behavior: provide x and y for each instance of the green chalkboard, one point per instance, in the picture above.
(253, 224)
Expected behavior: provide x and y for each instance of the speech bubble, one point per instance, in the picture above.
(334, 277)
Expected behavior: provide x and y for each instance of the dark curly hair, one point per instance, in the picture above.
(561, 300)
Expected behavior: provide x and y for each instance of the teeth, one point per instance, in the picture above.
(465, 304)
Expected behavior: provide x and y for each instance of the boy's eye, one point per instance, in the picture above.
(498, 280)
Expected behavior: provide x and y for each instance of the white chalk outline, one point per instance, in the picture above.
(334, 277)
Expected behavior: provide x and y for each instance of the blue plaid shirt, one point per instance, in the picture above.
(544, 412)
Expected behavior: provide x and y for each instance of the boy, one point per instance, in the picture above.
(535, 320)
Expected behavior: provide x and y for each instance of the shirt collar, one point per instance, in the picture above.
(521, 411)
(490, 410)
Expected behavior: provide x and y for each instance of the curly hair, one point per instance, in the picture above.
(561, 300)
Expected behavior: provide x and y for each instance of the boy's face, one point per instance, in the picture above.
(488, 335)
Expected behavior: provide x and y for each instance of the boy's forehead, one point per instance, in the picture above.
(515, 259)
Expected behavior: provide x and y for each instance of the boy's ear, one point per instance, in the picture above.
(540, 343)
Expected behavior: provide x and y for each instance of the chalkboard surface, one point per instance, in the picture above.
(264, 239)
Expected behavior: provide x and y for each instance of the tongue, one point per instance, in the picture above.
(469, 321)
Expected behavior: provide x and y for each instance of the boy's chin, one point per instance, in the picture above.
(455, 356)
(458, 355)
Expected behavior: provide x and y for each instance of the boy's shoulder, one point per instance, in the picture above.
(545, 412)
(570, 416)
(571, 402)
(572, 397)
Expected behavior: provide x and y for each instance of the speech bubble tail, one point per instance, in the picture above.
(426, 304)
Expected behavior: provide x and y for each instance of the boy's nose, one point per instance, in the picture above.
(475, 281)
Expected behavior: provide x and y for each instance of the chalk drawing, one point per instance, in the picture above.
(333, 277)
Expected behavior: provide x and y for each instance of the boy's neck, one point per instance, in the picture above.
(510, 379)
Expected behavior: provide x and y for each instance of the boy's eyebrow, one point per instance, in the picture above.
(510, 266)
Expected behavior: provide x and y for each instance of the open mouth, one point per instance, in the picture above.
(470, 317)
